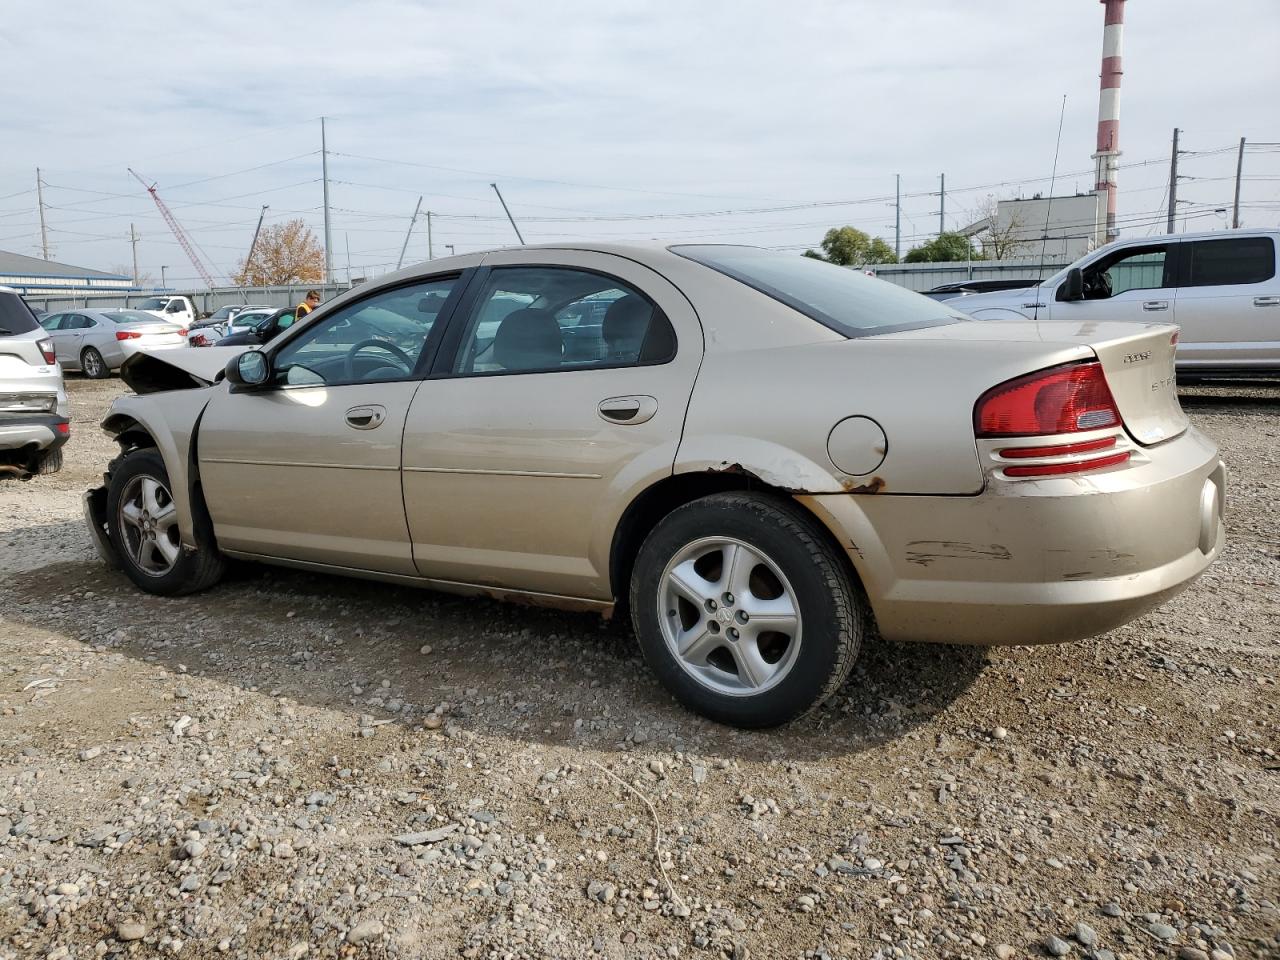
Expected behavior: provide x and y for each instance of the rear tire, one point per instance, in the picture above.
(142, 525)
(50, 462)
(92, 365)
(745, 610)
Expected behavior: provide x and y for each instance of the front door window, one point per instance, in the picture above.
(380, 338)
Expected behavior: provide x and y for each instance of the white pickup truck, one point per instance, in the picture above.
(1221, 288)
(178, 309)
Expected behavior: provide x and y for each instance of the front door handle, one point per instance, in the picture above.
(1266, 301)
(1155, 305)
(627, 409)
(366, 417)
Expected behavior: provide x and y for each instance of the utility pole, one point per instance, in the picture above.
(942, 203)
(253, 245)
(1235, 207)
(163, 268)
(508, 213)
(408, 233)
(328, 237)
(133, 242)
(431, 254)
(44, 232)
(347, 236)
(1173, 183)
(897, 216)
(449, 247)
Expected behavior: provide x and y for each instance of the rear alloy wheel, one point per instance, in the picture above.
(92, 364)
(142, 522)
(744, 609)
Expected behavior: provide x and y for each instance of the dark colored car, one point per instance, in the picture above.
(266, 330)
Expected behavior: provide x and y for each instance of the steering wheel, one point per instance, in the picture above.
(350, 364)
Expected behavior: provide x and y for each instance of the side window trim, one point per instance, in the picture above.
(451, 345)
(429, 348)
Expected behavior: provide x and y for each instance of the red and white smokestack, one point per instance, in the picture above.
(1108, 153)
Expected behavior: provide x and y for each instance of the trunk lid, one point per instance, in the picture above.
(1137, 359)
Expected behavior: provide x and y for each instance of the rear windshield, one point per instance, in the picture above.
(847, 301)
(15, 316)
(153, 303)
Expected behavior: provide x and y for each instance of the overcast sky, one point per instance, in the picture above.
(606, 119)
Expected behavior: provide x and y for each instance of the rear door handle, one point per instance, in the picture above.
(1266, 301)
(366, 417)
(627, 409)
(1155, 305)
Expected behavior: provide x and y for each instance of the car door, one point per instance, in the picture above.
(70, 337)
(307, 468)
(1229, 303)
(53, 325)
(560, 392)
(1133, 283)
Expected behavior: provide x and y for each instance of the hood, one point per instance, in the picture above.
(183, 369)
(1019, 300)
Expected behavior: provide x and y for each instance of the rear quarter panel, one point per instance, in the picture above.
(769, 412)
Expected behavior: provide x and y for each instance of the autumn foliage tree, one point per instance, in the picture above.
(286, 253)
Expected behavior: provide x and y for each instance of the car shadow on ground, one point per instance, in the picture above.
(514, 672)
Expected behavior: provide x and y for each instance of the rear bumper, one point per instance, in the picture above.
(34, 431)
(1036, 562)
(26, 439)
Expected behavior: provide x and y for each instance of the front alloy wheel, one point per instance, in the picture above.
(143, 526)
(148, 524)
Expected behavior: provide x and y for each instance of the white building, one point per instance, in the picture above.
(31, 275)
(1059, 229)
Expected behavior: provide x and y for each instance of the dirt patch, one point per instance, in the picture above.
(226, 774)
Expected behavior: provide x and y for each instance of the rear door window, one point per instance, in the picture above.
(546, 319)
(15, 316)
(1228, 262)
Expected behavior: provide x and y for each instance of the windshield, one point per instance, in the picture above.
(841, 298)
(249, 318)
(153, 303)
(131, 316)
(222, 313)
(15, 317)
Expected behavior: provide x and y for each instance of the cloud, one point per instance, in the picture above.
(682, 106)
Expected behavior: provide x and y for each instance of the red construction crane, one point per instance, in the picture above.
(177, 231)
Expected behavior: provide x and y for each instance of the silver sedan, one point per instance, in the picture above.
(96, 342)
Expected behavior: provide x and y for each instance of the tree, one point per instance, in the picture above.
(850, 247)
(286, 253)
(124, 270)
(944, 248)
(1001, 241)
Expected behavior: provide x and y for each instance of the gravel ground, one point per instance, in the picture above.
(293, 766)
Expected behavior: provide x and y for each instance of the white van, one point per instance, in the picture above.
(1221, 288)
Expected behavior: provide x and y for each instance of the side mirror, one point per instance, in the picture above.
(248, 370)
(1073, 287)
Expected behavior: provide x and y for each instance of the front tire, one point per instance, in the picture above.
(744, 609)
(142, 522)
(92, 364)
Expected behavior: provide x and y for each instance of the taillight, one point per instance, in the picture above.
(1067, 399)
(46, 350)
(64, 429)
(182, 332)
(128, 335)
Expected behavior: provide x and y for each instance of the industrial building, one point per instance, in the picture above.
(1058, 229)
(33, 275)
